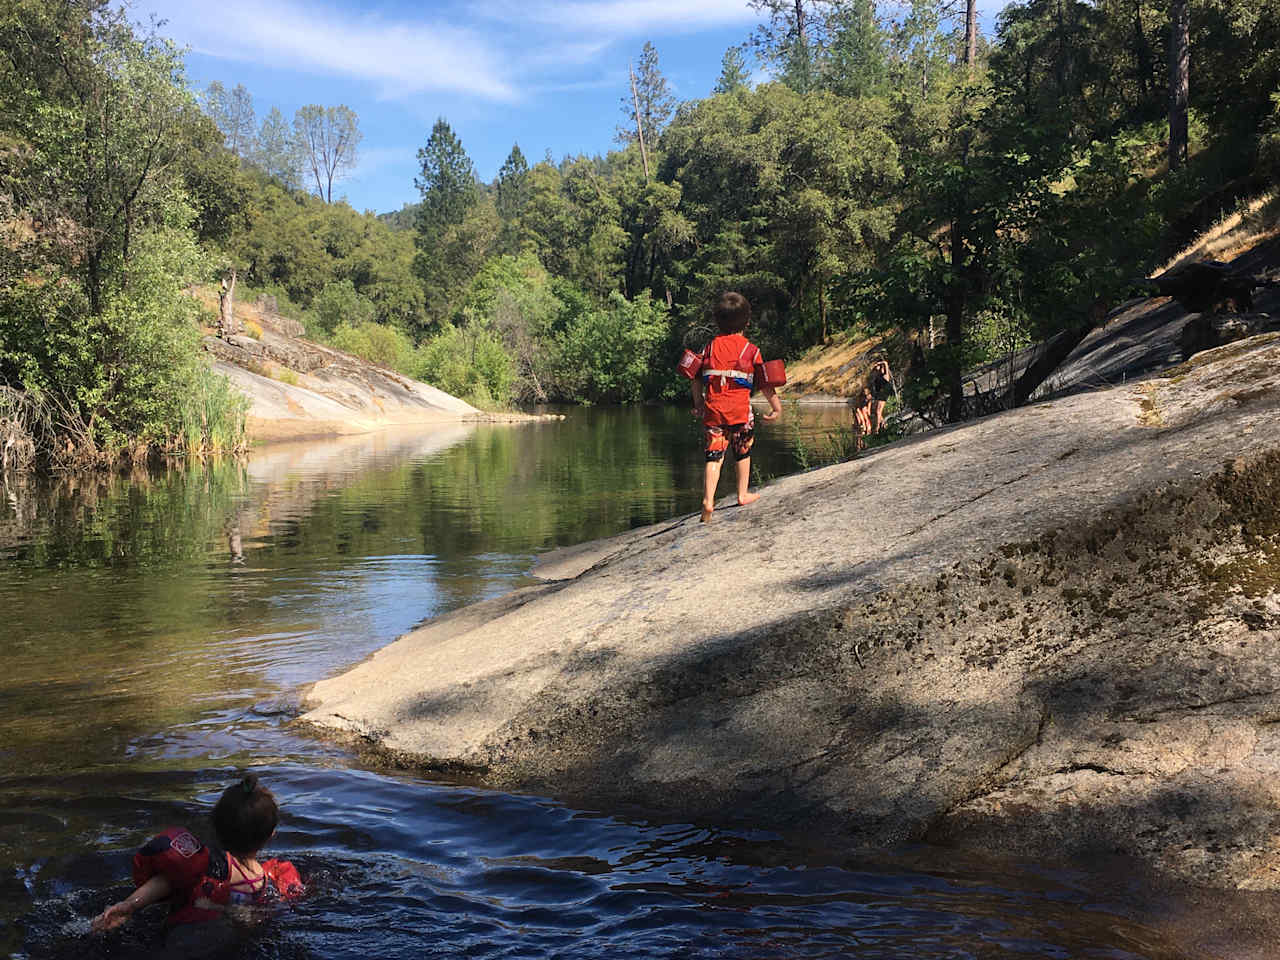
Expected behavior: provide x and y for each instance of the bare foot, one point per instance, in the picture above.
(706, 515)
(748, 498)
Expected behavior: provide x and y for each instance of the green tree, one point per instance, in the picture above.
(791, 39)
(277, 150)
(446, 180)
(232, 111)
(786, 192)
(733, 72)
(855, 64)
(447, 183)
(609, 353)
(512, 189)
(339, 303)
(93, 314)
(654, 100)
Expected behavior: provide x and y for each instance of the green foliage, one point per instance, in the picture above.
(276, 152)
(94, 317)
(512, 185)
(377, 344)
(457, 224)
(651, 95)
(787, 193)
(299, 245)
(232, 111)
(612, 353)
(212, 415)
(733, 72)
(469, 361)
(446, 180)
(338, 304)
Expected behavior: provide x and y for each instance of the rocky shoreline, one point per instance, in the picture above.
(300, 390)
(1051, 632)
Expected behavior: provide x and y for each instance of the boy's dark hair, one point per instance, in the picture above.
(732, 312)
(245, 816)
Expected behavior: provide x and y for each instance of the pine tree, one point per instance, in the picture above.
(733, 72)
(653, 93)
(855, 64)
(512, 184)
(447, 181)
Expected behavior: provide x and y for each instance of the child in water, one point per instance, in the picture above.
(722, 399)
(207, 883)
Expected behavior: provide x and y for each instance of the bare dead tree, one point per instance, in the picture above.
(328, 137)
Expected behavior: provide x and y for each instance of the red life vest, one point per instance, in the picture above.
(197, 872)
(728, 370)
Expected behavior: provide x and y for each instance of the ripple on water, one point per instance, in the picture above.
(148, 619)
(400, 867)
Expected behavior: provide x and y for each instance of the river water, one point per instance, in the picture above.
(156, 631)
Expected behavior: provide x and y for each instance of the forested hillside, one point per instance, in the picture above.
(896, 171)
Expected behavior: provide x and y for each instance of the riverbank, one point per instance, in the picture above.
(1051, 632)
(300, 390)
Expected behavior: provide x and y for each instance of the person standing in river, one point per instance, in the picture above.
(722, 399)
(880, 381)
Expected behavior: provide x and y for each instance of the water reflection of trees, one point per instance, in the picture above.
(111, 519)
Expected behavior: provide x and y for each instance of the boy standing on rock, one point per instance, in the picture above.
(722, 398)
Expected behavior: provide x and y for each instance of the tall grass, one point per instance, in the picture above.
(214, 417)
(25, 424)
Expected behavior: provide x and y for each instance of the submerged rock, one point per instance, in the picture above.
(1054, 631)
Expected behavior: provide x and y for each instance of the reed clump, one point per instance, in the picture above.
(214, 418)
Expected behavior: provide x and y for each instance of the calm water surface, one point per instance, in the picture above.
(155, 633)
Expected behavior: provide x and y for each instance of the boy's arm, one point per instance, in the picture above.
(153, 891)
(695, 387)
(775, 405)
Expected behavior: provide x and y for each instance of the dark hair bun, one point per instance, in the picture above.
(245, 816)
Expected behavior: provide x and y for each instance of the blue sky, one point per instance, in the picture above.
(544, 74)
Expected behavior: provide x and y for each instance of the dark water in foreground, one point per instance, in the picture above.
(155, 632)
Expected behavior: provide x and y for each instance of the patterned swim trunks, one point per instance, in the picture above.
(738, 436)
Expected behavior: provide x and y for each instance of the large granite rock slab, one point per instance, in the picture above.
(1054, 631)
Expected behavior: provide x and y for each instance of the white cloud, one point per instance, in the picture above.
(629, 16)
(497, 50)
(400, 57)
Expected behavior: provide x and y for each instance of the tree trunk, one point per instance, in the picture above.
(635, 99)
(226, 306)
(971, 34)
(822, 308)
(1179, 80)
(957, 295)
(1141, 53)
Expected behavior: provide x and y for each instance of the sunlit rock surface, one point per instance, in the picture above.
(1055, 631)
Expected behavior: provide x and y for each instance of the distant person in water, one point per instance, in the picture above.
(881, 385)
(722, 399)
(863, 404)
(207, 885)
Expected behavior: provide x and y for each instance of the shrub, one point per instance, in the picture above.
(611, 354)
(339, 304)
(469, 362)
(378, 344)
